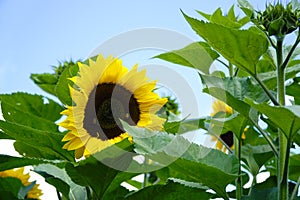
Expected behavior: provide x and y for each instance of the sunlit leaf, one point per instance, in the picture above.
(197, 55)
(242, 48)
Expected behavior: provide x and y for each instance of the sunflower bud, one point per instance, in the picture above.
(278, 20)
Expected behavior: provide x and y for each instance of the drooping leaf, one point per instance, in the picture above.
(170, 191)
(10, 162)
(242, 48)
(289, 124)
(197, 55)
(58, 177)
(59, 184)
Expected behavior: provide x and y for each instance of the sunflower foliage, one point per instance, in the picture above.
(255, 119)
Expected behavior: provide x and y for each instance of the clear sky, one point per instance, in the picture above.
(37, 34)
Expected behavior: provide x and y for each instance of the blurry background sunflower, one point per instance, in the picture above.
(34, 192)
(221, 109)
(105, 93)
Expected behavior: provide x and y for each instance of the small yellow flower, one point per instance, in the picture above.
(34, 193)
(228, 137)
(105, 92)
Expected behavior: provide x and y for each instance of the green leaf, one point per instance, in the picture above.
(47, 142)
(229, 21)
(10, 186)
(294, 90)
(246, 7)
(197, 55)
(270, 78)
(25, 189)
(30, 104)
(289, 124)
(62, 88)
(30, 120)
(185, 125)
(242, 48)
(59, 184)
(185, 160)
(235, 123)
(256, 156)
(10, 162)
(294, 167)
(240, 88)
(93, 173)
(172, 191)
(46, 82)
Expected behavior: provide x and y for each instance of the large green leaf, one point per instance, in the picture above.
(170, 191)
(197, 55)
(242, 48)
(47, 142)
(10, 162)
(186, 160)
(29, 104)
(289, 124)
(30, 120)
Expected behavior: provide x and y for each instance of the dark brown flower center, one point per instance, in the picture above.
(107, 104)
(227, 138)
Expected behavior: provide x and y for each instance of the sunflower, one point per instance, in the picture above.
(104, 92)
(33, 193)
(222, 109)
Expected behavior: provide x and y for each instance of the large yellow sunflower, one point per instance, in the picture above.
(103, 93)
(221, 108)
(34, 193)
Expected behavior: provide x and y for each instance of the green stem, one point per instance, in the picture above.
(238, 182)
(267, 91)
(266, 136)
(287, 59)
(231, 70)
(284, 148)
(145, 181)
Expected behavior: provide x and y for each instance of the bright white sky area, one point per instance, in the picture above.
(36, 35)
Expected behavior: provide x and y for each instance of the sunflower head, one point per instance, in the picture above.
(33, 193)
(106, 93)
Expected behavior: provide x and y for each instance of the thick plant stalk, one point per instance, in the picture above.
(282, 165)
(238, 182)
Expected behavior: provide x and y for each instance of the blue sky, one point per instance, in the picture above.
(38, 34)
